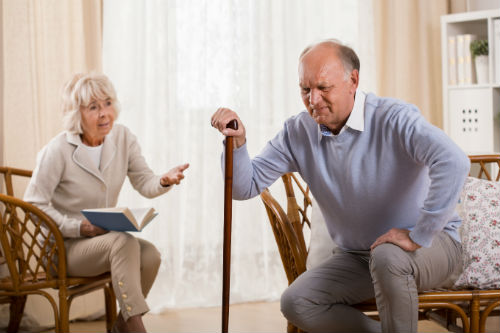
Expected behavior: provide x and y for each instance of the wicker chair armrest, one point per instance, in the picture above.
(22, 229)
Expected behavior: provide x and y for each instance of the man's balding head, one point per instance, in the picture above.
(347, 55)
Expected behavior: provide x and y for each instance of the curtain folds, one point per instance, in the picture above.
(408, 48)
(42, 44)
(173, 64)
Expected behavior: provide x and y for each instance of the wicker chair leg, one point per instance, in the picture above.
(451, 318)
(110, 302)
(474, 314)
(16, 312)
(63, 312)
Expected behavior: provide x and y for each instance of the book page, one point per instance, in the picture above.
(128, 213)
(142, 215)
(109, 209)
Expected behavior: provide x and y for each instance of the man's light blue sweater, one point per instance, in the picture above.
(399, 172)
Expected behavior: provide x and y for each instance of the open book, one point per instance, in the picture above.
(120, 218)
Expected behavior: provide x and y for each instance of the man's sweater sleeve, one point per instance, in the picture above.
(252, 176)
(448, 168)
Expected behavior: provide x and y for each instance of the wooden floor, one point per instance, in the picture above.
(249, 317)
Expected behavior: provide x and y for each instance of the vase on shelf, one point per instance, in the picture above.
(481, 62)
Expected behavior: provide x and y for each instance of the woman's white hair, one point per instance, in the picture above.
(79, 92)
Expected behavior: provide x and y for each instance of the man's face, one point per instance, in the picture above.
(328, 97)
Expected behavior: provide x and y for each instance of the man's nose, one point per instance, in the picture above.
(314, 97)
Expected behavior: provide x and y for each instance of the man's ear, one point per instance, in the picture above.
(354, 79)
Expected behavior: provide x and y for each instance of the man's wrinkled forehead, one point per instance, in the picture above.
(319, 67)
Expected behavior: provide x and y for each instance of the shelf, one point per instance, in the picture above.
(473, 86)
(470, 111)
(471, 16)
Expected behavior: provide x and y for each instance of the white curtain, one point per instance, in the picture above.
(173, 63)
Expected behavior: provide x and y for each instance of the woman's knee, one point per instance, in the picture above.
(125, 243)
(150, 256)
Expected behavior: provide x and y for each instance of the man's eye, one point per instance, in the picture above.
(92, 107)
(305, 90)
(108, 103)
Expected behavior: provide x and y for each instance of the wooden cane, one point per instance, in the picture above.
(228, 202)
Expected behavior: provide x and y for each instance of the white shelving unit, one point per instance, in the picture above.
(471, 113)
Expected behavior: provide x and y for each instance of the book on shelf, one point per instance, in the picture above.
(469, 68)
(496, 49)
(460, 60)
(452, 60)
(120, 218)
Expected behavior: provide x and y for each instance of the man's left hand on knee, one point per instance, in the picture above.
(399, 237)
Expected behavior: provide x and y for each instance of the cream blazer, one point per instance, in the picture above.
(65, 180)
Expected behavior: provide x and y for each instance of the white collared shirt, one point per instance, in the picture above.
(356, 119)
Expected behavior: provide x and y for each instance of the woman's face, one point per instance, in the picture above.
(97, 121)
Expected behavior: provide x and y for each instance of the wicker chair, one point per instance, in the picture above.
(36, 260)
(444, 306)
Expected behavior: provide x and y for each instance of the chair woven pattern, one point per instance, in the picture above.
(287, 257)
(32, 250)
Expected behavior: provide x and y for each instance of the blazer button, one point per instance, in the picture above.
(129, 308)
(124, 296)
(120, 283)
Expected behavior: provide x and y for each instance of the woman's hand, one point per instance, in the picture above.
(174, 176)
(87, 229)
(221, 118)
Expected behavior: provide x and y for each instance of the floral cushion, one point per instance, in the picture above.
(480, 231)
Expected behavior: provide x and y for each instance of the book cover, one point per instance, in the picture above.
(120, 218)
(452, 60)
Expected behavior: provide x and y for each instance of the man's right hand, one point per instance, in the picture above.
(221, 118)
(87, 229)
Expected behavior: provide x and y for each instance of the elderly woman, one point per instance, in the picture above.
(84, 167)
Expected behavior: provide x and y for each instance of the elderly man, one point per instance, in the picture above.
(387, 183)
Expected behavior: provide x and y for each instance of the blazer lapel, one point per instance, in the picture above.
(108, 151)
(81, 157)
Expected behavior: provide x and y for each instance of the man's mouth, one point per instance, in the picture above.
(317, 111)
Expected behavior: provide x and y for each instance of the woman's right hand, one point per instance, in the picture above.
(87, 229)
(221, 118)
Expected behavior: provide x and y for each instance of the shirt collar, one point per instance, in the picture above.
(356, 119)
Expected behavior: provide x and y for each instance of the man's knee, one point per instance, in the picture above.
(286, 303)
(290, 304)
(389, 259)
